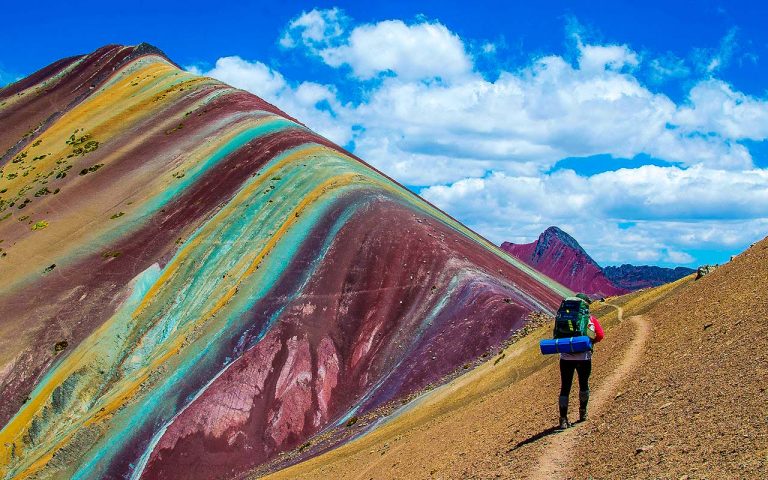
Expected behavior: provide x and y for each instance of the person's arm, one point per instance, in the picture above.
(599, 334)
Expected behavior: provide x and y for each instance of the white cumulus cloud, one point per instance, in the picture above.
(716, 108)
(484, 148)
(669, 209)
(315, 29)
(412, 52)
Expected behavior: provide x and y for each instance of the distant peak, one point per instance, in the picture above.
(562, 236)
(558, 255)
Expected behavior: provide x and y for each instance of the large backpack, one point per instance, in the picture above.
(572, 318)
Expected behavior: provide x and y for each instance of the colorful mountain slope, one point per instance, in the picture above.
(633, 277)
(558, 255)
(194, 282)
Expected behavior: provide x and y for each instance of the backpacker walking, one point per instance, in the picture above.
(573, 319)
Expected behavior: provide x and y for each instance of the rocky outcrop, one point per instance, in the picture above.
(559, 256)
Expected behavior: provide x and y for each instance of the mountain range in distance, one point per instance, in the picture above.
(558, 255)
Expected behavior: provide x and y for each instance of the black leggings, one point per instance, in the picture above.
(582, 367)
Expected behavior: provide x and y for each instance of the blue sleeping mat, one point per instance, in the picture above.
(565, 345)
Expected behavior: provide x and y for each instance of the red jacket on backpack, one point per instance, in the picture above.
(599, 334)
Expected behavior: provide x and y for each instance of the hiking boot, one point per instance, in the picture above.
(563, 423)
(583, 414)
(583, 400)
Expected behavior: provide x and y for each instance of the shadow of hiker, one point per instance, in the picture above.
(533, 438)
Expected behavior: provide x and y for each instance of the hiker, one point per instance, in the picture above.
(581, 363)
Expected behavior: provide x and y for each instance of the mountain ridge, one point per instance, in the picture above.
(201, 282)
(559, 255)
(635, 277)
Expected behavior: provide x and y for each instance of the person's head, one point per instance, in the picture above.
(584, 297)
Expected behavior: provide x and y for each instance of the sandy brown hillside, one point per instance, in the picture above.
(697, 405)
(679, 391)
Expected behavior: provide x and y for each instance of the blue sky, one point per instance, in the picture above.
(639, 127)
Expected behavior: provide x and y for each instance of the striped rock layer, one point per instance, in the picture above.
(194, 282)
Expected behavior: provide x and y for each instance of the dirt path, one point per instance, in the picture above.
(554, 461)
(619, 310)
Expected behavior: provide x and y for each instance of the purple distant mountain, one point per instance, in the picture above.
(632, 277)
(559, 256)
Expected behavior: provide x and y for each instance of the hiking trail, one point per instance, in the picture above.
(553, 463)
(619, 310)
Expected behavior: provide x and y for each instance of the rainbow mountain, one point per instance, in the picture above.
(194, 283)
